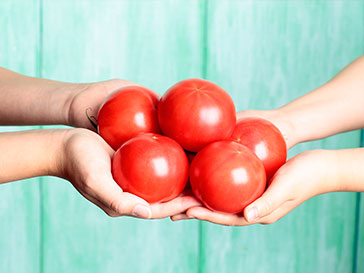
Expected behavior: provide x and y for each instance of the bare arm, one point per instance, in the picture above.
(335, 107)
(83, 158)
(29, 154)
(304, 176)
(32, 101)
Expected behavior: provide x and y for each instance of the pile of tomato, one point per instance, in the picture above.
(189, 134)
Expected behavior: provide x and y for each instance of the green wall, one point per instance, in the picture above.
(264, 53)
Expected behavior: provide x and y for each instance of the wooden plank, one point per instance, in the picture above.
(359, 244)
(19, 201)
(266, 53)
(155, 43)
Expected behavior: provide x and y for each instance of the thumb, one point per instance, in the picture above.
(123, 203)
(271, 199)
(265, 114)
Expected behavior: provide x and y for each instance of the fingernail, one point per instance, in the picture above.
(142, 211)
(252, 214)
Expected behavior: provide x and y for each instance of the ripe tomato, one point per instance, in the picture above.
(151, 166)
(264, 139)
(127, 112)
(227, 176)
(196, 112)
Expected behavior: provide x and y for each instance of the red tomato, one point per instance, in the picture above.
(151, 166)
(127, 112)
(227, 176)
(196, 112)
(265, 140)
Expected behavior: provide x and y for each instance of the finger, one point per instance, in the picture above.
(276, 194)
(113, 197)
(108, 211)
(182, 216)
(278, 213)
(226, 219)
(175, 206)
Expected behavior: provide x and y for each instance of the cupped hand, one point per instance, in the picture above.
(86, 163)
(279, 119)
(306, 175)
(85, 102)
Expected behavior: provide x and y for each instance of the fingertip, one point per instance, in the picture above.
(251, 214)
(193, 212)
(142, 211)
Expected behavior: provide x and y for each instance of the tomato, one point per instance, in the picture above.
(127, 112)
(226, 176)
(151, 166)
(196, 112)
(264, 139)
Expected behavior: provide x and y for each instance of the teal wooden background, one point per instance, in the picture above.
(264, 53)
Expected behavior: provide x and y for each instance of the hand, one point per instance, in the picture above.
(86, 163)
(306, 175)
(279, 119)
(87, 99)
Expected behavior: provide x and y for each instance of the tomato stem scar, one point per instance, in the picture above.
(91, 119)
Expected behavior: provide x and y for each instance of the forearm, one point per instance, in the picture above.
(335, 107)
(33, 101)
(31, 153)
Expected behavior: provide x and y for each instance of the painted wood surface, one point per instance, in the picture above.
(19, 201)
(359, 244)
(151, 43)
(264, 53)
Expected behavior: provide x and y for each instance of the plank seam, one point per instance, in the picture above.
(357, 219)
(39, 72)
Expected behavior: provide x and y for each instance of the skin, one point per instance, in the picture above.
(77, 155)
(335, 107)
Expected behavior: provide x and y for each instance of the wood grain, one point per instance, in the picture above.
(149, 42)
(266, 54)
(20, 201)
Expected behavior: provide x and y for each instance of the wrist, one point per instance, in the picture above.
(23, 160)
(282, 121)
(327, 167)
(56, 142)
(348, 169)
(65, 96)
